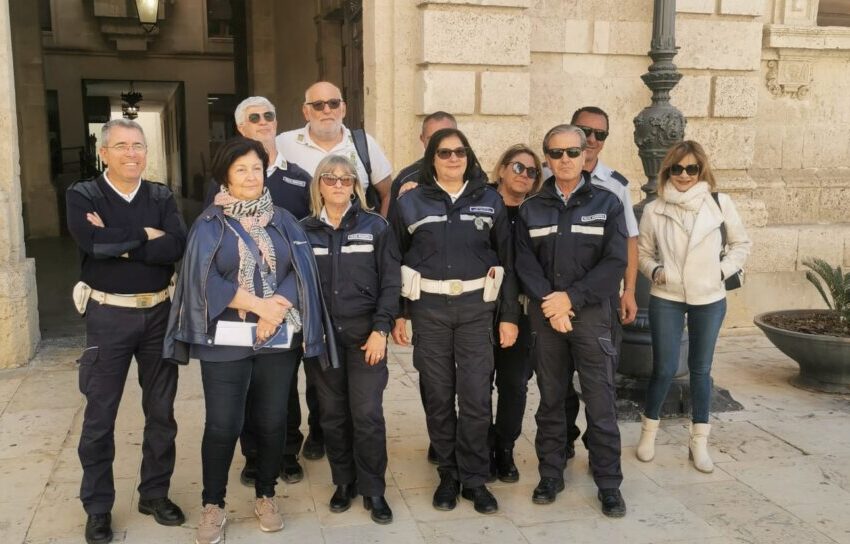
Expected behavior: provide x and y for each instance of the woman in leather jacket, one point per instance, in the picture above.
(246, 298)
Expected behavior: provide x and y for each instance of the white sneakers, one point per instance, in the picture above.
(646, 446)
(697, 444)
(265, 508)
(212, 522)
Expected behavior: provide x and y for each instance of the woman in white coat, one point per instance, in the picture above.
(680, 251)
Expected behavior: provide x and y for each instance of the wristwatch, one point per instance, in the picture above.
(383, 333)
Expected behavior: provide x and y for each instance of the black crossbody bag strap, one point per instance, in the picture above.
(716, 197)
(361, 145)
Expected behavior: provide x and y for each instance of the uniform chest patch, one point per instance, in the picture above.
(482, 209)
(594, 217)
(364, 236)
(296, 182)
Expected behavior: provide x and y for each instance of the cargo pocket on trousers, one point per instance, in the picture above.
(610, 352)
(86, 362)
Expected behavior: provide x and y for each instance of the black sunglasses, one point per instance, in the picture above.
(255, 117)
(691, 169)
(319, 105)
(600, 135)
(557, 153)
(331, 180)
(444, 153)
(530, 171)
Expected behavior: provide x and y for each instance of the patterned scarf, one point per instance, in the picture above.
(253, 215)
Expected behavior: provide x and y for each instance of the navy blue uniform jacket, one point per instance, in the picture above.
(443, 240)
(359, 265)
(578, 247)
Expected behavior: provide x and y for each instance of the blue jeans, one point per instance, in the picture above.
(666, 322)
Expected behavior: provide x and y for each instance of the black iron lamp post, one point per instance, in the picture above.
(657, 127)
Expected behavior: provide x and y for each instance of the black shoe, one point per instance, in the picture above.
(432, 455)
(445, 497)
(612, 501)
(381, 513)
(163, 511)
(505, 467)
(483, 501)
(314, 447)
(249, 472)
(99, 528)
(291, 471)
(547, 490)
(341, 500)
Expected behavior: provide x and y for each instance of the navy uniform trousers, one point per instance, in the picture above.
(351, 403)
(453, 352)
(113, 337)
(589, 350)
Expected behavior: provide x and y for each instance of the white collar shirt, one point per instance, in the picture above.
(603, 176)
(128, 197)
(323, 215)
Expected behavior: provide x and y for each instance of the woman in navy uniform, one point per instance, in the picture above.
(518, 174)
(455, 239)
(358, 263)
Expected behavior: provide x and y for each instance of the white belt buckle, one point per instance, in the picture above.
(455, 287)
(144, 301)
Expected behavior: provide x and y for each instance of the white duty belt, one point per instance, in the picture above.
(450, 287)
(412, 284)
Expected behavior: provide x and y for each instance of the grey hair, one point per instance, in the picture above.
(564, 129)
(327, 165)
(239, 114)
(119, 122)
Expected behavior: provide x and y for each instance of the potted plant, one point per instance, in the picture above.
(818, 340)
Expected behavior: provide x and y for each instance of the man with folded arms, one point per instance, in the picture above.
(130, 234)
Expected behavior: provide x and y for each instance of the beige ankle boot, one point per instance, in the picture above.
(646, 447)
(698, 447)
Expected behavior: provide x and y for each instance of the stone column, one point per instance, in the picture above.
(18, 299)
(41, 211)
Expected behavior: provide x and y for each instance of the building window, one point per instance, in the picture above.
(45, 16)
(834, 13)
(219, 15)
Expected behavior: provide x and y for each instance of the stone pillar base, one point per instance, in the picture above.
(18, 313)
(631, 396)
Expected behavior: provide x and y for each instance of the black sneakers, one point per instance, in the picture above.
(163, 511)
(547, 490)
(482, 500)
(612, 501)
(445, 497)
(99, 528)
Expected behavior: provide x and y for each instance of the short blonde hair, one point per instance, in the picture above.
(327, 166)
(676, 153)
(509, 155)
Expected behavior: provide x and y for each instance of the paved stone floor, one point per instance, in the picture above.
(783, 470)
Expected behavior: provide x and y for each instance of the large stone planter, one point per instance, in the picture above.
(824, 360)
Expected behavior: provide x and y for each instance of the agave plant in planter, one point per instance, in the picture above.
(818, 340)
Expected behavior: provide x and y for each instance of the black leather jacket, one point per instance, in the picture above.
(188, 323)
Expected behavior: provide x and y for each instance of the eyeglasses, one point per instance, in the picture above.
(319, 105)
(557, 153)
(331, 180)
(123, 148)
(600, 135)
(445, 153)
(530, 171)
(691, 169)
(255, 117)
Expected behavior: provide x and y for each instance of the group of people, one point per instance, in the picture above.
(501, 278)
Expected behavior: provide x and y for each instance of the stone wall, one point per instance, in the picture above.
(18, 298)
(763, 89)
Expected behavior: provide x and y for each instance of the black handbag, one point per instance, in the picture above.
(736, 280)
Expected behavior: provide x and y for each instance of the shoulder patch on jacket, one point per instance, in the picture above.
(88, 189)
(159, 191)
(620, 177)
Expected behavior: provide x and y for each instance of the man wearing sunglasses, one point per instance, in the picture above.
(325, 134)
(570, 258)
(594, 122)
(289, 187)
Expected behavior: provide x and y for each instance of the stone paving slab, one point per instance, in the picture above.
(782, 469)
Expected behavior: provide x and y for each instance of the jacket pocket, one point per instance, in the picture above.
(87, 361)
